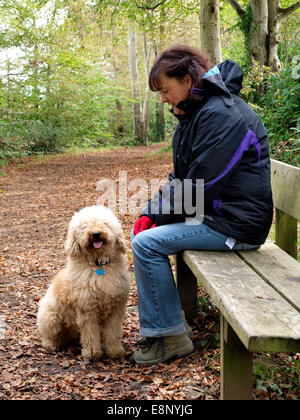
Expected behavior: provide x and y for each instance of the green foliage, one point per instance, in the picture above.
(33, 136)
(275, 375)
(245, 27)
(57, 88)
(65, 80)
(276, 98)
(279, 110)
(252, 91)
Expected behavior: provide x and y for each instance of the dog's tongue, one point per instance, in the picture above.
(97, 244)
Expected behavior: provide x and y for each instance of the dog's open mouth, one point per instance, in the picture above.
(97, 245)
(97, 240)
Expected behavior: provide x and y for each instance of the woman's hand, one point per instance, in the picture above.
(143, 223)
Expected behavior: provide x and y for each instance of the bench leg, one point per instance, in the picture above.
(236, 366)
(187, 288)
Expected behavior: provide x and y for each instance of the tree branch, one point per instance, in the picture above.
(238, 8)
(147, 7)
(288, 10)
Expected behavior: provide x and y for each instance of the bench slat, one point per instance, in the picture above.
(261, 318)
(278, 268)
(285, 183)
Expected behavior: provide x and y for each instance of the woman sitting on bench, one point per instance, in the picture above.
(220, 140)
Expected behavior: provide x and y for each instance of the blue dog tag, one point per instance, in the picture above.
(100, 272)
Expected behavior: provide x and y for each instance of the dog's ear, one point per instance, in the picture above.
(121, 244)
(72, 247)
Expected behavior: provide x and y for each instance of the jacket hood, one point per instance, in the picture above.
(232, 76)
(224, 79)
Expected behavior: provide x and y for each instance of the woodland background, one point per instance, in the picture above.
(73, 73)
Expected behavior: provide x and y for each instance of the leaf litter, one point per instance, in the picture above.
(37, 202)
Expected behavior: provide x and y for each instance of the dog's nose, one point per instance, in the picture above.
(97, 236)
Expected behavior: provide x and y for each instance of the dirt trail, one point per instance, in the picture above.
(38, 198)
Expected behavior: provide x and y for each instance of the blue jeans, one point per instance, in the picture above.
(158, 299)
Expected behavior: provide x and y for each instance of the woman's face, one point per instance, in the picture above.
(174, 90)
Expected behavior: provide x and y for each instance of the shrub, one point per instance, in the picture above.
(279, 110)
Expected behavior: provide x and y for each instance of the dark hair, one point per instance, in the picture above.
(178, 61)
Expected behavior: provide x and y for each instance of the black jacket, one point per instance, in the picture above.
(222, 141)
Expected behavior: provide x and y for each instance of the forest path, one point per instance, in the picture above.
(38, 198)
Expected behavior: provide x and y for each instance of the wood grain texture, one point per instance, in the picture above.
(278, 269)
(285, 186)
(259, 315)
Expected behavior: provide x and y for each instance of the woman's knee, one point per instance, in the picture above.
(141, 242)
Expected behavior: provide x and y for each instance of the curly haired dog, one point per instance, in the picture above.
(87, 299)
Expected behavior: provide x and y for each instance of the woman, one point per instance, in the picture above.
(220, 140)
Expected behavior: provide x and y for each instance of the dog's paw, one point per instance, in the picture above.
(115, 353)
(91, 356)
(49, 346)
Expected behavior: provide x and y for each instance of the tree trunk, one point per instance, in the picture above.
(259, 32)
(210, 29)
(8, 81)
(274, 20)
(160, 132)
(118, 121)
(35, 79)
(147, 53)
(135, 85)
(267, 16)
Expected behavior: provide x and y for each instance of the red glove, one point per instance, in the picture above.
(143, 223)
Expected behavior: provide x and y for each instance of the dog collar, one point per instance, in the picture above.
(100, 271)
(101, 265)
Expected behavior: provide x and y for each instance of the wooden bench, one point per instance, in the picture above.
(256, 292)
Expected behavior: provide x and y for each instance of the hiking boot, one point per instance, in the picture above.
(161, 349)
(142, 341)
